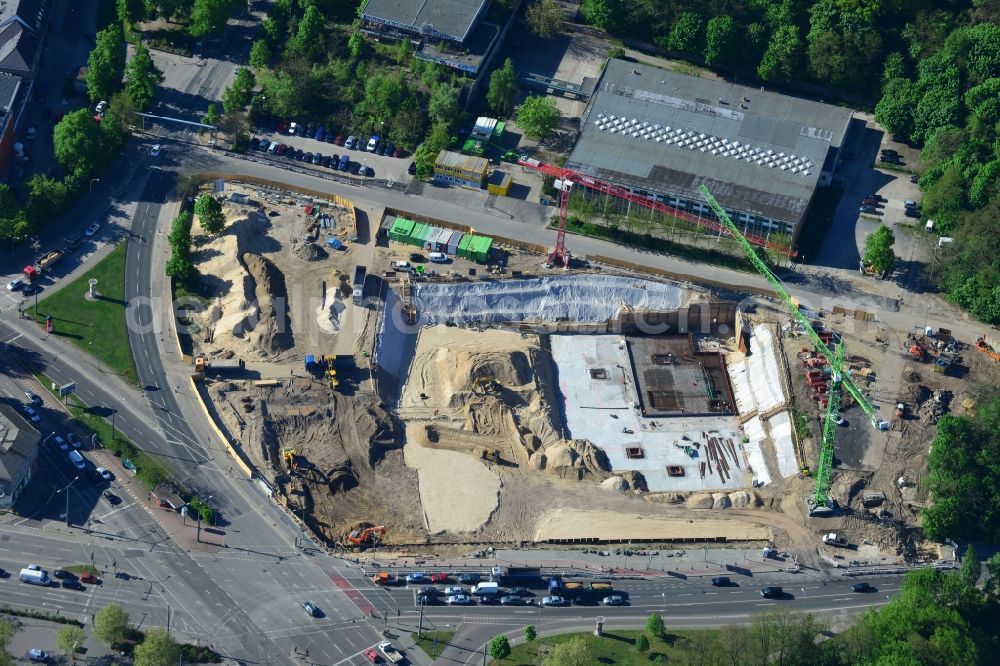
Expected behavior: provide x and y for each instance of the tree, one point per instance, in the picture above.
(781, 60)
(210, 215)
(686, 33)
(141, 78)
(895, 110)
(158, 648)
(106, 64)
(641, 643)
(260, 54)
(879, 256)
(544, 18)
(502, 92)
(719, 40)
(237, 95)
(212, 116)
(972, 568)
(499, 647)
(573, 652)
(538, 116)
(111, 624)
(309, 37)
(80, 144)
(70, 639)
(356, 45)
(130, 11)
(210, 16)
(530, 633)
(437, 140)
(596, 13)
(47, 197)
(443, 105)
(654, 624)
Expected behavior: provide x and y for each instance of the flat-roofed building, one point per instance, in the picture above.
(18, 454)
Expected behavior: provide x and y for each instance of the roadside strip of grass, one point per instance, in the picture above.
(614, 647)
(97, 327)
(148, 469)
(433, 643)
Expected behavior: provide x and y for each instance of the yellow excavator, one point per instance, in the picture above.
(331, 372)
(288, 457)
(484, 385)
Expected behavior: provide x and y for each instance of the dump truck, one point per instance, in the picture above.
(601, 587)
(360, 272)
(833, 539)
(572, 588)
(218, 366)
(384, 578)
(32, 271)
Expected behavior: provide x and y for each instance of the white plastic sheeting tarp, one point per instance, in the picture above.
(754, 429)
(585, 298)
(784, 447)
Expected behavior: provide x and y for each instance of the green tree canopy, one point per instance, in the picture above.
(573, 652)
(499, 647)
(427, 152)
(260, 54)
(106, 64)
(130, 11)
(443, 105)
(538, 116)
(210, 16)
(781, 61)
(111, 624)
(596, 13)
(70, 639)
(210, 214)
(80, 144)
(141, 78)
(212, 116)
(545, 18)
(158, 648)
(720, 44)
(502, 93)
(530, 633)
(879, 256)
(641, 643)
(654, 624)
(686, 34)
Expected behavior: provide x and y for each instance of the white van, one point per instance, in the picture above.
(76, 459)
(402, 266)
(438, 257)
(34, 577)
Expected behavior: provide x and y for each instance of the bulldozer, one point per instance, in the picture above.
(484, 385)
(288, 457)
(331, 372)
(368, 537)
(491, 455)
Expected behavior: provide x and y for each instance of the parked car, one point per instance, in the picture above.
(911, 212)
(914, 179)
(427, 591)
(73, 584)
(63, 575)
(468, 578)
(372, 143)
(459, 600)
(862, 587)
(412, 169)
(415, 577)
(909, 203)
(368, 172)
(92, 229)
(339, 140)
(380, 149)
(351, 143)
(60, 442)
(372, 656)
(438, 257)
(32, 398)
(310, 608)
(282, 149)
(511, 600)
(254, 143)
(104, 474)
(345, 162)
(721, 581)
(614, 600)
(90, 579)
(870, 210)
(155, 150)
(453, 590)
(34, 654)
(320, 133)
(389, 148)
(272, 149)
(77, 459)
(307, 157)
(111, 498)
(521, 592)
(263, 145)
(32, 415)
(15, 284)
(553, 600)
(318, 159)
(439, 577)
(354, 168)
(771, 592)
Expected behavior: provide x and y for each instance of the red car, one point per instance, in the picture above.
(439, 577)
(398, 152)
(339, 140)
(282, 127)
(281, 149)
(372, 656)
(870, 201)
(89, 579)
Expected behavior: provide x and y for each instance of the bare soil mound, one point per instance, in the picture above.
(309, 251)
(272, 330)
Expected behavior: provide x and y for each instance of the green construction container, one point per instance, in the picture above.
(463, 246)
(427, 233)
(479, 248)
(400, 229)
(418, 231)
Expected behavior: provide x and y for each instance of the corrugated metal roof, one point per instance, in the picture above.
(663, 132)
(469, 163)
(454, 18)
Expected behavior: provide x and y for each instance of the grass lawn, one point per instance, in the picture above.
(83, 569)
(615, 647)
(101, 322)
(433, 642)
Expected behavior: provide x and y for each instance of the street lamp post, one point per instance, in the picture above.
(100, 368)
(66, 490)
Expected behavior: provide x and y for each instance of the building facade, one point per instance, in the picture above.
(19, 444)
(458, 169)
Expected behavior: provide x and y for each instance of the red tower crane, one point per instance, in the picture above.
(559, 255)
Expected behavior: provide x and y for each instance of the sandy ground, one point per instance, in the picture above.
(458, 492)
(583, 524)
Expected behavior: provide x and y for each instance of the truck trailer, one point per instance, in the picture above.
(360, 272)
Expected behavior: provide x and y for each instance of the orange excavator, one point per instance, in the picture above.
(367, 538)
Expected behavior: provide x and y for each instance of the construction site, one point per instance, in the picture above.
(516, 402)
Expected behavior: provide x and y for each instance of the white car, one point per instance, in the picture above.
(459, 600)
(553, 601)
(32, 414)
(452, 591)
(77, 459)
(61, 443)
(155, 152)
(15, 284)
(34, 654)
(105, 474)
(101, 108)
(92, 229)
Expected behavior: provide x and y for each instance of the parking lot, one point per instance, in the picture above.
(380, 166)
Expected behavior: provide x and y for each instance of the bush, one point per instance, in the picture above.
(641, 643)
(530, 633)
(654, 624)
